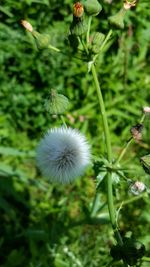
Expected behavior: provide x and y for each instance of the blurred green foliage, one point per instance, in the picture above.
(43, 225)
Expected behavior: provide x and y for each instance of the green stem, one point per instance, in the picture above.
(95, 205)
(111, 207)
(103, 113)
(88, 30)
(63, 121)
(124, 151)
(146, 259)
(128, 144)
(53, 48)
(131, 200)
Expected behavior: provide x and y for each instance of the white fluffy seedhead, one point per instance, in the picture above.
(63, 154)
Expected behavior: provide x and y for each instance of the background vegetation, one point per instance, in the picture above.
(42, 224)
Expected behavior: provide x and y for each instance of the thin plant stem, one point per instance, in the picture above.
(146, 259)
(131, 200)
(54, 48)
(95, 205)
(88, 30)
(63, 121)
(128, 144)
(124, 150)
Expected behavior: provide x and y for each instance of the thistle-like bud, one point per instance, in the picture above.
(27, 25)
(92, 7)
(78, 10)
(42, 40)
(136, 131)
(97, 41)
(137, 188)
(56, 103)
(145, 160)
(117, 20)
(78, 27)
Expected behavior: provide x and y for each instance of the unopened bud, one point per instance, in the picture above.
(78, 27)
(78, 10)
(27, 25)
(42, 40)
(146, 110)
(136, 131)
(137, 188)
(97, 41)
(117, 20)
(56, 103)
(92, 7)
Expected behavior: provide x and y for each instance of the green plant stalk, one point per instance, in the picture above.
(63, 121)
(111, 207)
(88, 30)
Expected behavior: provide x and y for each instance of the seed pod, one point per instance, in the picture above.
(92, 7)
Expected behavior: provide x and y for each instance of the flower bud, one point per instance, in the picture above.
(117, 20)
(42, 40)
(92, 7)
(137, 188)
(145, 160)
(56, 103)
(136, 131)
(97, 41)
(78, 10)
(146, 110)
(78, 26)
(27, 25)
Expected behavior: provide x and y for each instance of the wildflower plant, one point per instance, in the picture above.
(64, 153)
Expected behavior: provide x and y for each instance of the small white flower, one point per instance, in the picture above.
(63, 154)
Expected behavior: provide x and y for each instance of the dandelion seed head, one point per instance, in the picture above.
(63, 154)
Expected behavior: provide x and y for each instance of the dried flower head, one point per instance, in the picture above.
(136, 131)
(63, 154)
(127, 5)
(137, 188)
(27, 25)
(146, 109)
